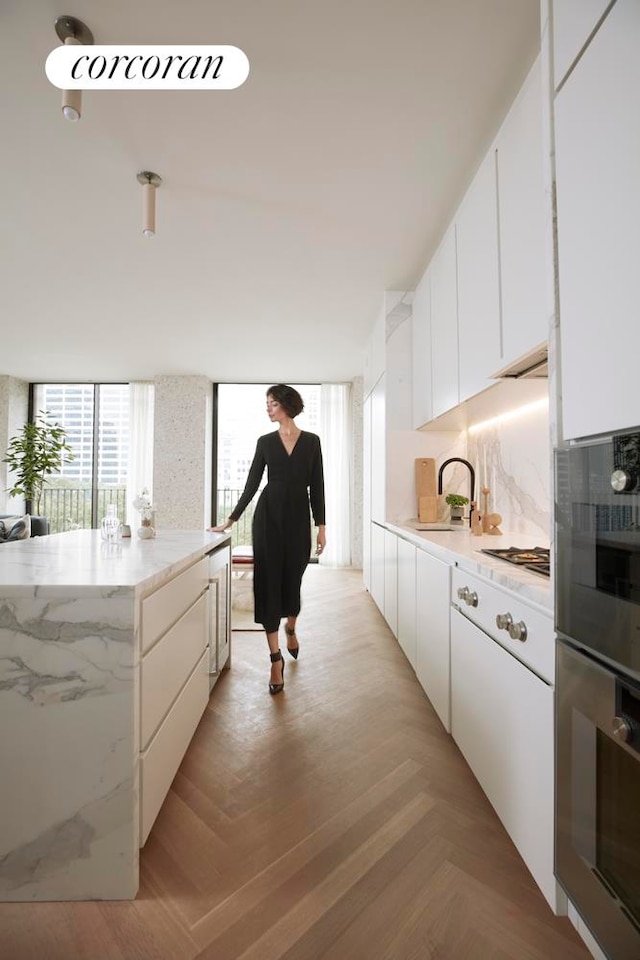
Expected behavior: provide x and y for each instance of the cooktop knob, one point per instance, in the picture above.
(622, 480)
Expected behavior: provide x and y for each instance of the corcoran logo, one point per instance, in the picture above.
(130, 67)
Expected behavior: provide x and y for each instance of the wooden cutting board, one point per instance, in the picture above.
(426, 496)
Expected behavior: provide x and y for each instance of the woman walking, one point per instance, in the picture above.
(281, 522)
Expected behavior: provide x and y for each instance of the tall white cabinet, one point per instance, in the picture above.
(597, 133)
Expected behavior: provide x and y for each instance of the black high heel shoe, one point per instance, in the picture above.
(291, 632)
(277, 687)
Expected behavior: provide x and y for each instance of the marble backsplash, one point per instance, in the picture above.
(511, 455)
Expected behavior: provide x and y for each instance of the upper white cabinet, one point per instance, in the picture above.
(444, 325)
(573, 22)
(421, 352)
(521, 200)
(478, 282)
(597, 133)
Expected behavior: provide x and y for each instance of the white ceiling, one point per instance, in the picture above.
(287, 206)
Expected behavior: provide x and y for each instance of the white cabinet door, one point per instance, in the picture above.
(444, 325)
(502, 720)
(573, 22)
(407, 600)
(421, 350)
(521, 204)
(391, 581)
(478, 282)
(597, 132)
(377, 566)
(378, 452)
(432, 632)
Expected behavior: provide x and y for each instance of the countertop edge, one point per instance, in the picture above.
(530, 587)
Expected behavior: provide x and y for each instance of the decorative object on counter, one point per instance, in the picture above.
(111, 527)
(485, 491)
(126, 531)
(425, 468)
(475, 520)
(34, 454)
(493, 521)
(456, 503)
(142, 503)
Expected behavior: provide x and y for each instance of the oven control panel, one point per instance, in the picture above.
(626, 463)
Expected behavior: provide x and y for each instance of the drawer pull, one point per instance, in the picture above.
(504, 621)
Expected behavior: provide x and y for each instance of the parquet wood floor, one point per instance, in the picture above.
(336, 820)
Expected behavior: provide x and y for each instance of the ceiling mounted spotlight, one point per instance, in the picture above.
(150, 183)
(72, 31)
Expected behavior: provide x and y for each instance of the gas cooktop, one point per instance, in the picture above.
(536, 559)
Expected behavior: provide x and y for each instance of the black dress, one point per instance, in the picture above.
(281, 522)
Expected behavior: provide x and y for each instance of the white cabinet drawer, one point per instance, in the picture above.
(537, 651)
(159, 763)
(161, 609)
(168, 664)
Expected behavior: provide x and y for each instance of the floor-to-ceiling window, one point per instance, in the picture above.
(96, 418)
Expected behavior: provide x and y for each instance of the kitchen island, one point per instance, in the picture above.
(104, 674)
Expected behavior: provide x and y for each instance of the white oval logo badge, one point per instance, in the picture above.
(130, 67)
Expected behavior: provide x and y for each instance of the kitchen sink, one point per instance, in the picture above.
(438, 526)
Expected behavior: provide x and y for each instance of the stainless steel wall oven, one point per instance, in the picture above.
(598, 686)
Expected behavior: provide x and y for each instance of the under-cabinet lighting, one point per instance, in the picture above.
(510, 415)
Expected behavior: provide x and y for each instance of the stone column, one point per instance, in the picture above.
(14, 407)
(182, 458)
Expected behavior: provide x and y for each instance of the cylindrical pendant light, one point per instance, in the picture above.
(150, 183)
(72, 31)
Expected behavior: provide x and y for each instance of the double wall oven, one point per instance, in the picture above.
(598, 686)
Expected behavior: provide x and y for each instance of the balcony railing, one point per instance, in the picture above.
(70, 509)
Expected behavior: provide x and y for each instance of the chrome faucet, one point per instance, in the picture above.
(473, 479)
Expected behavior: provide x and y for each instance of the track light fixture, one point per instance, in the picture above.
(72, 31)
(150, 183)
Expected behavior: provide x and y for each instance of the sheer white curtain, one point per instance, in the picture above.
(335, 434)
(140, 462)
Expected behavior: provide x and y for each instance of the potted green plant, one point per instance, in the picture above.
(457, 503)
(34, 454)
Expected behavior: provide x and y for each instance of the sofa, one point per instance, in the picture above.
(13, 527)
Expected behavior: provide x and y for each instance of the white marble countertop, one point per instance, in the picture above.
(463, 549)
(82, 560)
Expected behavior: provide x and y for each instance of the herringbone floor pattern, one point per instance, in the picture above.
(334, 821)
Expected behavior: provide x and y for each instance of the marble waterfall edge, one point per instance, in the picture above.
(69, 716)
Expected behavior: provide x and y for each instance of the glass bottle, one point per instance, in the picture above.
(111, 524)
